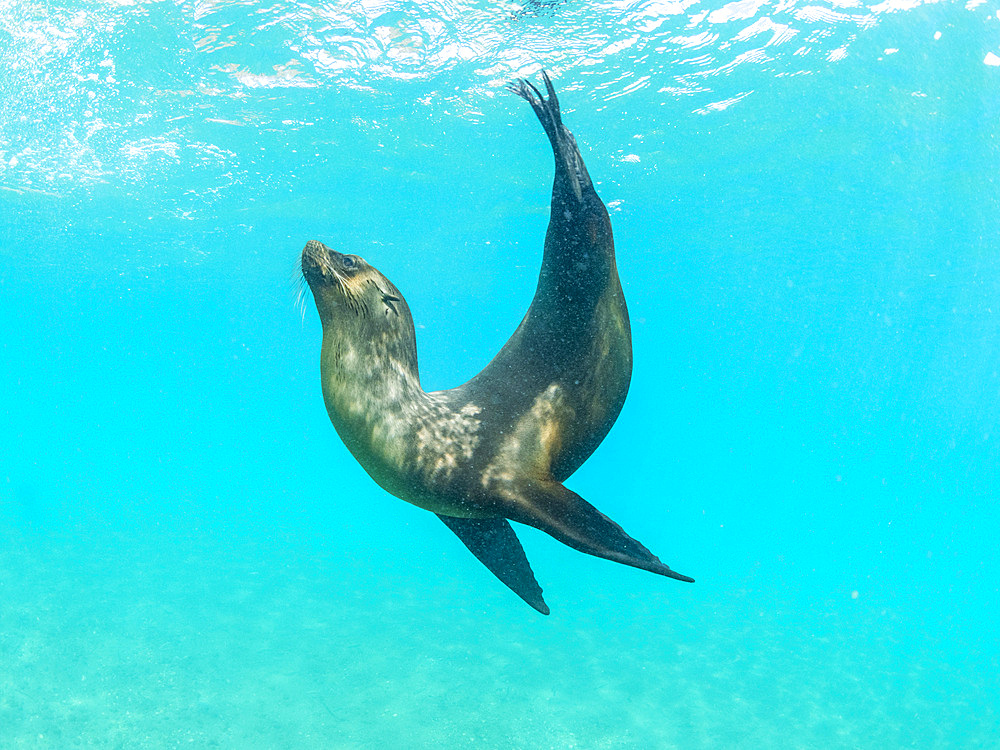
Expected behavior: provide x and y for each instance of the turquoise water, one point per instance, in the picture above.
(806, 209)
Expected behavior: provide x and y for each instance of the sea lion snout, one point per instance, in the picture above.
(319, 261)
(313, 256)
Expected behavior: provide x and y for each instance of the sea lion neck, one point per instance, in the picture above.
(372, 391)
(369, 353)
(370, 360)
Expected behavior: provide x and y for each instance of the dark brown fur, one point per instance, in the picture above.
(499, 446)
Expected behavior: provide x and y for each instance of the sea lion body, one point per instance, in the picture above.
(499, 446)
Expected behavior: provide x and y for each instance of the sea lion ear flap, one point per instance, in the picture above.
(389, 299)
(496, 545)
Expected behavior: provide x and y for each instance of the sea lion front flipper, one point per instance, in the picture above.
(496, 545)
(563, 514)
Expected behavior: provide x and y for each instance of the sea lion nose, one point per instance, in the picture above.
(313, 255)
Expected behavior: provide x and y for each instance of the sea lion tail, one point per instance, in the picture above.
(569, 518)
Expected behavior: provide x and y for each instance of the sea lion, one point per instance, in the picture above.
(499, 446)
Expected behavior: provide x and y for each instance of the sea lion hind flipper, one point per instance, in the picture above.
(496, 545)
(563, 514)
(569, 162)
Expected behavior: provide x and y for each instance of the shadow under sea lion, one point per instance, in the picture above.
(499, 446)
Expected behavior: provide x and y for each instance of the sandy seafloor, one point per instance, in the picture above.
(224, 641)
(805, 202)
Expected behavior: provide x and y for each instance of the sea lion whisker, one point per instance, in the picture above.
(298, 284)
(300, 303)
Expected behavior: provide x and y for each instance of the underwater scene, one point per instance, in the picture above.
(805, 199)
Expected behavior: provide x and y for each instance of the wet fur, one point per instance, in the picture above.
(499, 446)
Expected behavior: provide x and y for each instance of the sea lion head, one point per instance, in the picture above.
(346, 286)
(355, 300)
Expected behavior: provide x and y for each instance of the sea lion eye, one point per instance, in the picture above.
(349, 262)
